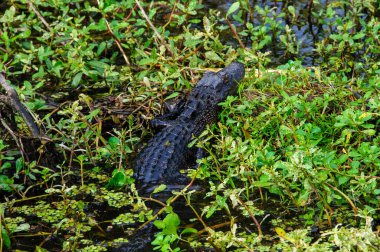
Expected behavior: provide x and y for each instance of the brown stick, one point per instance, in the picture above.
(235, 33)
(116, 39)
(39, 15)
(16, 104)
(346, 197)
(154, 28)
(252, 217)
(171, 14)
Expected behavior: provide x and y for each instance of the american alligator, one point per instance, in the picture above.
(167, 153)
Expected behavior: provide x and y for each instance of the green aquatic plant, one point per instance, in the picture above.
(296, 151)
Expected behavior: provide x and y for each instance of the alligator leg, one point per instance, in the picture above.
(174, 110)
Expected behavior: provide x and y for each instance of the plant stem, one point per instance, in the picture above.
(115, 38)
(154, 28)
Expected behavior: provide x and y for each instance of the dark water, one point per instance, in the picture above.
(306, 27)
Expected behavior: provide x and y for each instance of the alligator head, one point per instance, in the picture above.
(212, 89)
(217, 86)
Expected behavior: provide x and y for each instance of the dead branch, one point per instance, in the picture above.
(154, 28)
(31, 5)
(14, 102)
(118, 43)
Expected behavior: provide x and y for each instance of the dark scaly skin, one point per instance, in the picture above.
(167, 152)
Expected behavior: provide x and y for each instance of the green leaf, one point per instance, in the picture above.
(358, 36)
(369, 132)
(5, 238)
(101, 48)
(39, 249)
(98, 64)
(22, 227)
(171, 96)
(189, 231)
(159, 224)
(19, 164)
(343, 158)
(76, 80)
(172, 219)
(285, 130)
(159, 188)
(93, 113)
(261, 184)
(343, 180)
(5, 182)
(211, 55)
(171, 222)
(113, 142)
(6, 165)
(292, 10)
(146, 61)
(233, 8)
(118, 180)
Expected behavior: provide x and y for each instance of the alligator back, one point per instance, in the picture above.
(164, 155)
(167, 153)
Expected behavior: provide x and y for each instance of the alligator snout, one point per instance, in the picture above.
(235, 71)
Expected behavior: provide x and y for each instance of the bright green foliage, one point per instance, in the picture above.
(5, 238)
(296, 149)
(168, 234)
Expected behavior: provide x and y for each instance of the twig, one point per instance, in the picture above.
(115, 38)
(154, 200)
(4, 50)
(32, 198)
(171, 202)
(252, 217)
(39, 15)
(19, 107)
(171, 14)
(117, 43)
(190, 54)
(207, 228)
(154, 28)
(346, 197)
(130, 13)
(220, 225)
(32, 235)
(235, 33)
